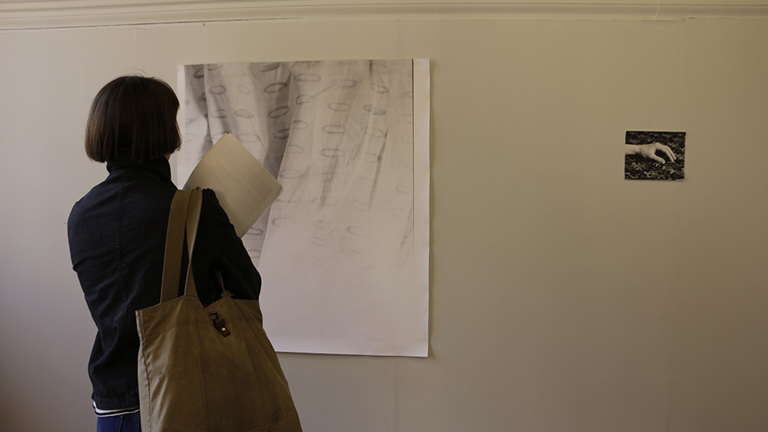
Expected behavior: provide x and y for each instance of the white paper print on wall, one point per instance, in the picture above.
(343, 251)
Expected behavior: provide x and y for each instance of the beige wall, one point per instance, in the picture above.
(563, 298)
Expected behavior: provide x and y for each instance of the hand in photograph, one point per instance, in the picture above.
(648, 151)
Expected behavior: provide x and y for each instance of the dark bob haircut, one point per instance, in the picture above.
(134, 117)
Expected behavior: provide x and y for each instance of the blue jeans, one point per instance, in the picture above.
(123, 423)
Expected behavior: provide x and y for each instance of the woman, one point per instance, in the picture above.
(117, 236)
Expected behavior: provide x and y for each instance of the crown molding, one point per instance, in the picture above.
(20, 15)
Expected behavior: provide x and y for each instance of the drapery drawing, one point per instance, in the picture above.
(342, 250)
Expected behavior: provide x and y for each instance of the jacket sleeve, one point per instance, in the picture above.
(219, 249)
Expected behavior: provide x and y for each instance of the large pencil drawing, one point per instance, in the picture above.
(337, 246)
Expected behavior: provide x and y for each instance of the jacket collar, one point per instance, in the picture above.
(160, 166)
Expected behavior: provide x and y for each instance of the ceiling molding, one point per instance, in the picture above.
(19, 15)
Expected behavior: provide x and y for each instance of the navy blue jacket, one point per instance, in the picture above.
(117, 241)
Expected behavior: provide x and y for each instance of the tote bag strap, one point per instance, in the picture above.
(185, 213)
(193, 218)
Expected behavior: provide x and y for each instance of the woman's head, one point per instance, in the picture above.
(133, 114)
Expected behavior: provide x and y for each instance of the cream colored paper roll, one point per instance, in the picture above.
(245, 188)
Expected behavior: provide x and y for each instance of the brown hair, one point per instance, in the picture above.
(134, 113)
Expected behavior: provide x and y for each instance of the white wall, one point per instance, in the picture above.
(563, 298)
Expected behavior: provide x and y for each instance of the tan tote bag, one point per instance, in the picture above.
(206, 368)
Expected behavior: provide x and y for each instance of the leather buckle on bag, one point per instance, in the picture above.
(219, 323)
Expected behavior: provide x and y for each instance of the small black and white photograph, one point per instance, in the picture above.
(650, 155)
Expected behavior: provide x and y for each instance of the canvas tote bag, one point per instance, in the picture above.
(206, 368)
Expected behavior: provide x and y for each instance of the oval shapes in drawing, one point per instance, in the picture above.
(345, 83)
(334, 129)
(244, 113)
(279, 111)
(302, 99)
(374, 110)
(218, 90)
(332, 152)
(219, 114)
(275, 87)
(249, 138)
(307, 77)
(269, 67)
(255, 232)
(339, 106)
